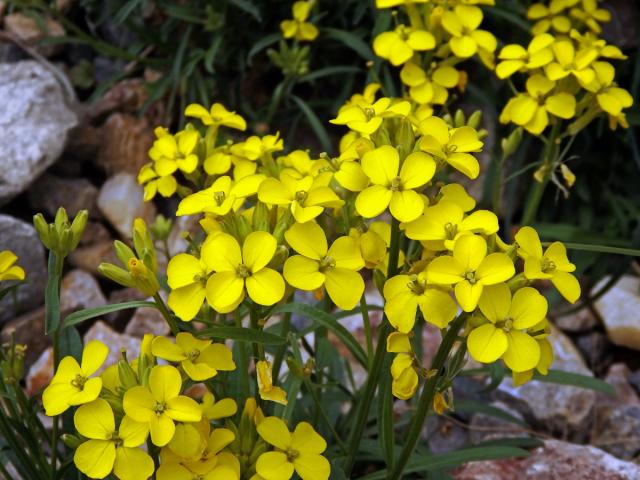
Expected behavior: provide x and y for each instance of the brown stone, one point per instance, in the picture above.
(49, 193)
(620, 311)
(80, 290)
(125, 143)
(95, 232)
(147, 320)
(27, 30)
(119, 319)
(556, 460)
(29, 331)
(115, 341)
(88, 258)
(40, 373)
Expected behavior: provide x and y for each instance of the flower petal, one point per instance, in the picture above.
(487, 343)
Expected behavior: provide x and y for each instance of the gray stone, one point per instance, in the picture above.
(28, 329)
(117, 342)
(48, 193)
(484, 427)
(555, 460)
(581, 321)
(620, 311)
(121, 202)
(80, 290)
(21, 238)
(553, 407)
(34, 122)
(147, 320)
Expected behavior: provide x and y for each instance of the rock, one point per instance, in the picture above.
(555, 460)
(444, 435)
(126, 140)
(617, 426)
(121, 201)
(147, 320)
(48, 193)
(597, 350)
(623, 28)
(95, 232)
(80, 290)
(28, 329)
(88, 258)
(553, 407)
(21, 238)
(581, 321)
(484, 427)
(127, 96)
(29, 32)
(34, 123)
(620, 311)
(40, 373)
(115, 341)
(118, 320)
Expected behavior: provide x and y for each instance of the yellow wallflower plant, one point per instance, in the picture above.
(298, 27)
(399, 45)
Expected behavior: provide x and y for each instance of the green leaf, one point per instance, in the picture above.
(70, 343)
(577, 380)
(5, 291)
(261, 44)
(315, 123)
(324, 319)
(52, 294)
(328, 72)
(244, 334)
(248, 7)
(432, 462)
(350, 40)
(80, 316)
(632, 252)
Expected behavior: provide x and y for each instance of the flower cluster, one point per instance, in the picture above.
(567, 69)
(299, 28)
(437, 38)
(128, 407)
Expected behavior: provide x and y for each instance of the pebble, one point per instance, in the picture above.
(620, 311)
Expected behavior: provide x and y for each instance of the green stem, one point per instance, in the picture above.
(367, 328)
(365, 400)
(243, 364)
(279, 357)
(173, 325)
(59, 263)
(535, 197)
(426, 397)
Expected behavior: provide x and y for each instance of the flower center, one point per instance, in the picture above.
(547, 266)
(292, 454)
(369, 112)
(327, 263)
(193, 355)
(115, 438)
(470, 276)
(159, 408)
(79, 381)
(243, 271)
(449, 149)
(506, 324)
(301, 196)
(415, 285)
(396, 184)
(219, 197)
(450, 230)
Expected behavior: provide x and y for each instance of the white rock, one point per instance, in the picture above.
(34, 122)
(620, 310)
(121, 202)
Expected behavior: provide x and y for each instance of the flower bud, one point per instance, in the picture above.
(459, 119)
(116, 274)
(475, 119)
(260, 220)
(405, 136)
(511, 143)
(71, 441)
(42, 227)
(161, 228)
(123, 252)
(77, 228)
(127, 376)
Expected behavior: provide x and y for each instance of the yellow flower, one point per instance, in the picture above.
(552, 16)
(186, 276)
(466, 39)
(470, 269)
(455, 193)
(372, 247)
(255, 147)
(506, 333)
(404, 376)
(514, 57)
(71, 384)
(213, 410)
(552, 265)
(611, 98)
(394, 185)
(216, 115)
(569, 62)
(299, 28)
(265, 384)
(237, 269)
(221, 197)
(399, 45)
(200, 359)
(154, 183)
(306, 197)
(299, 451)
(365, 116)
(451, 145)
(442, 224)
(403, 294)
(108, 449)
(9, 271)
(429, 88)
(530, 110)
(160, 404)
(396, 3)
(171, 153)
(590, 15)
(336, 267)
